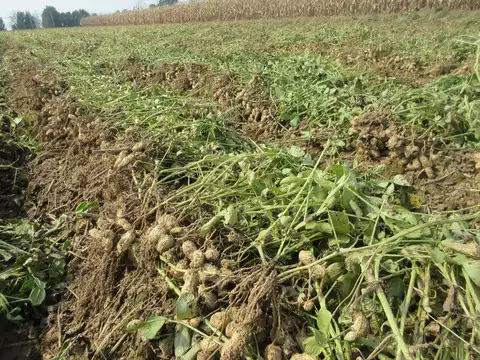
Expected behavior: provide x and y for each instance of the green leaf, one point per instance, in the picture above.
(319, 227)
(22, 227)
(338, 170)
(186, 307)
(152, 326)
(285, 220)
(315, 345)
(231, 216)
(134, 325)
(5, 254)
(192, 353)
(204, 230)
(400, 180)
(390, 266)
(84, 206)
(472, 268)
(183, 338)
(295, 151)
(318, 193)
(437, 255)
(339, 241)
(37, 295)
(291, 180)
(459, 259)
(340, 222)
(324, 318)
(396, 288)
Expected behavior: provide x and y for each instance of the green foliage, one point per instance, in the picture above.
(24, 21)
(148, 328)
(52, 18)
(73, 18)
(32, 266)
(3, 27)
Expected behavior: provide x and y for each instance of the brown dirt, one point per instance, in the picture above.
(13, 180)
(442, 179)
(457, 185)
(18, 343)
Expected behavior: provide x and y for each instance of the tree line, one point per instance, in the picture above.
(50, 18)
(163, 3)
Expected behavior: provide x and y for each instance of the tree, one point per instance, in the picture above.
(2, 25)
(78, 15)
(24, 20)
(50, 17)
(164, 2)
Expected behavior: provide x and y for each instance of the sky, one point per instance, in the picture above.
(92, 6)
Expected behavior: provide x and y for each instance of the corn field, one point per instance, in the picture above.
(224, 10)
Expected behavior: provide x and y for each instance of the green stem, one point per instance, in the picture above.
(388, 311)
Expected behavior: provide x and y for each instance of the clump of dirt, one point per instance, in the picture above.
(456, 187)
(379, 138)
(255, 113)
(18, 343)
(443, 179)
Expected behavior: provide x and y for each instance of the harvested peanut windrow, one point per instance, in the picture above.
(168, 222)
(209, 272)
(230, 329)
(180, 268)
(302, 357)
(155, 233)
(209, 345)
(308, 305)
(195, 322)
(209, 299)
(97, 234)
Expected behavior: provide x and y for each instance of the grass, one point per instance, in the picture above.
(388, 278)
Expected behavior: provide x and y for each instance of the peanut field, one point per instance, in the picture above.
(301, 188)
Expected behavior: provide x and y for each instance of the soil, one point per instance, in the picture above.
(13, 179)
(18, 343)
